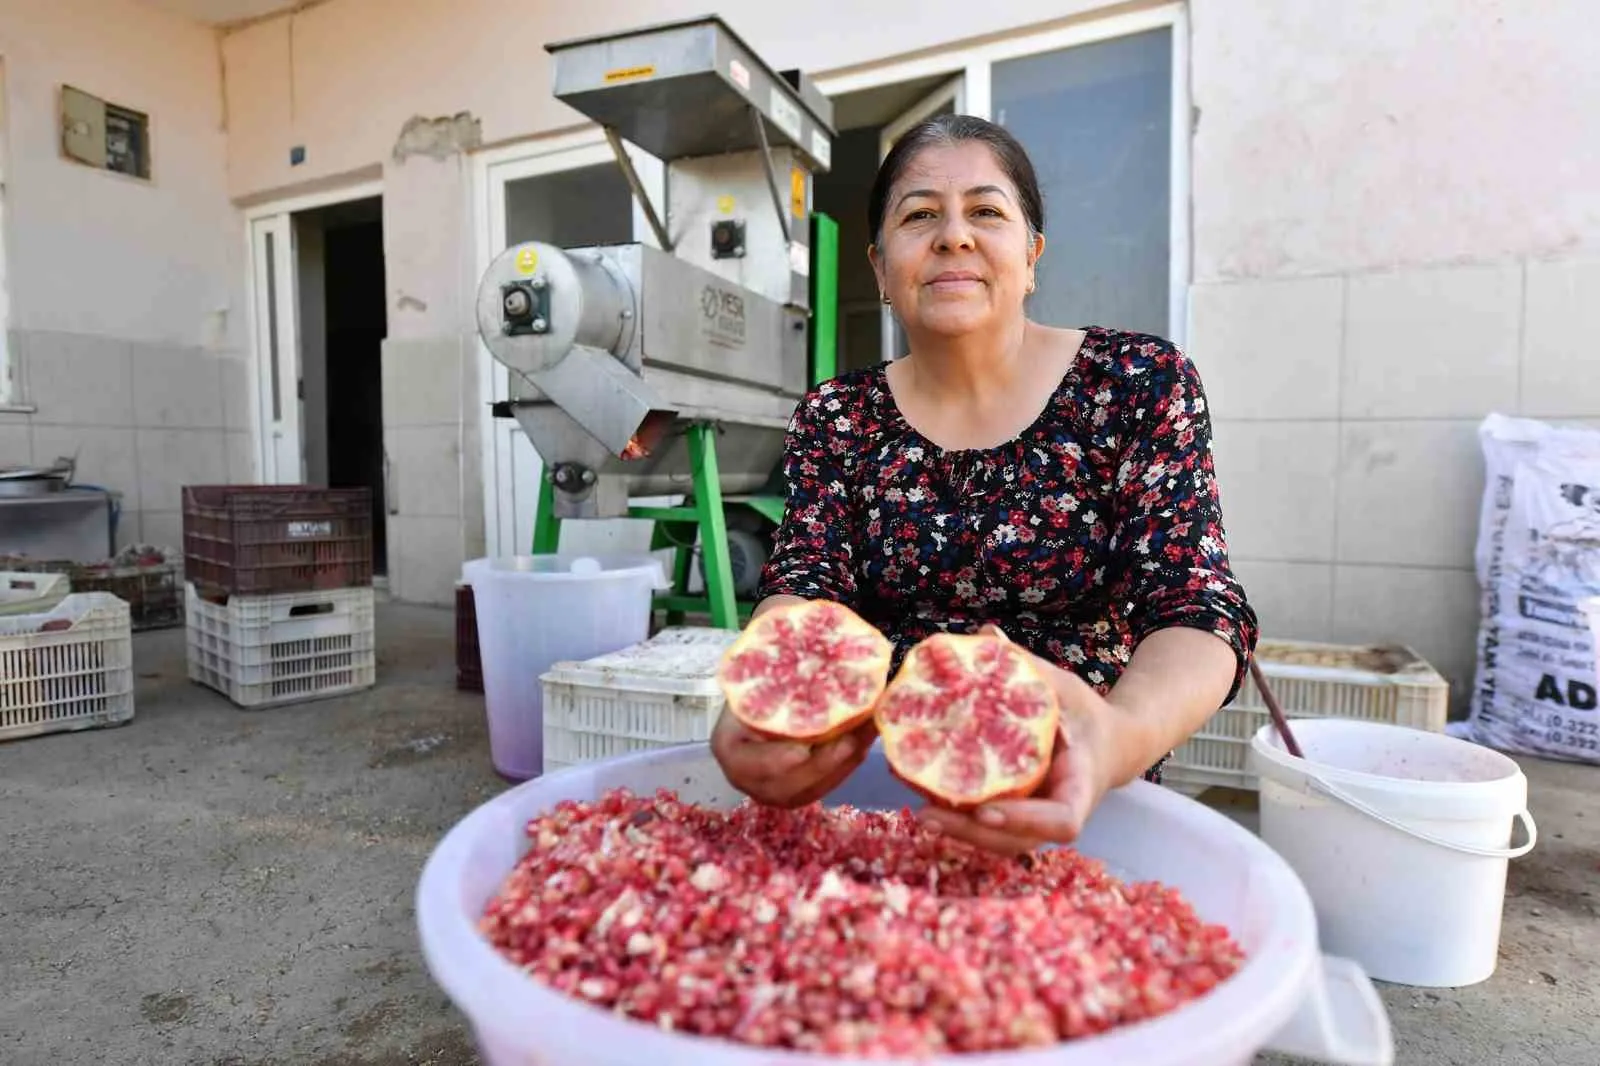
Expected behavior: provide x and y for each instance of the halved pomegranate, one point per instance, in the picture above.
(967, 720)
(807, 671)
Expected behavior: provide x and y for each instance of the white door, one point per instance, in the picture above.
(569, 195)
(277, 348)
(950, 98)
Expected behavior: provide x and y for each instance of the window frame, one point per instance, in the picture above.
(974, 64)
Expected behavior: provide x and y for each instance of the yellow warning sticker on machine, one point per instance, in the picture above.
(725, 204)
(630, 73)
(527, 261)
(797, 192)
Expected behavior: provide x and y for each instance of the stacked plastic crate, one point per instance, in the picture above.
(66, 659)
(278, 597)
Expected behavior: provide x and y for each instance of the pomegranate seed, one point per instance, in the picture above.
(841, 931)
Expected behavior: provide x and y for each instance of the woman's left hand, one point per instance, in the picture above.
(1082, 771)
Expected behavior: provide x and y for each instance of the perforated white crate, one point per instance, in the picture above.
(1311, 680)
(75, 674)
(286, 647)
(656, 694)
(30, 593)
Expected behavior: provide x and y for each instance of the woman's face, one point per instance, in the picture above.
(955, 253)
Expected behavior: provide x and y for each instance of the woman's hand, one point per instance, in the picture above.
(785, 773)
(1082, 770)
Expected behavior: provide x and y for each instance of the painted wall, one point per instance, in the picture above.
(126, 303)
(361, 68)
(1394, 232)
(1383, 135)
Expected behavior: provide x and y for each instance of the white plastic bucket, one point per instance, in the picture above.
(1287, 997)
(536, 610)
(1402, 837)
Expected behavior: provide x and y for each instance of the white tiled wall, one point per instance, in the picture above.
(1408, 492)
(142, 419)
(1270, 350)
(1434, 610)
(422, 436)
(1293, 600)
(1278, 483)
(1438, 343)
(1346, 411)
(1561, 350)
(16, 442)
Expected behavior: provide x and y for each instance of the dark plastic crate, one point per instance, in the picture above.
(469, 666)
(256, 540)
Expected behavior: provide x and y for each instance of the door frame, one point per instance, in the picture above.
(973, 65)
(279, 214)
(492, 170)
(954, 93)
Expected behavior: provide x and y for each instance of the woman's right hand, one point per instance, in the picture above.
(786, 773)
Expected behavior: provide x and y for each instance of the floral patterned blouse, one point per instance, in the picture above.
(1093, 527)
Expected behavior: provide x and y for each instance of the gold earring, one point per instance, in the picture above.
(885, 299)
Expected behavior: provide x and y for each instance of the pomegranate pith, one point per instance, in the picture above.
(805, 671)
(968, 720)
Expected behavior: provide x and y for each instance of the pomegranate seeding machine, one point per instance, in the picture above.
(672, 366)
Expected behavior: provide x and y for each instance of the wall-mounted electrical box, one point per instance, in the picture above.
(104, 135)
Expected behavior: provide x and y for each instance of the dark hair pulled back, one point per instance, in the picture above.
(951, 130)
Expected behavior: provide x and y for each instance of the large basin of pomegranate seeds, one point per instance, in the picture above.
(635, 911)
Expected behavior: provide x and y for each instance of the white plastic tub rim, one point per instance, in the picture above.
(566, 567)
(1486, 786)
(1287, 997)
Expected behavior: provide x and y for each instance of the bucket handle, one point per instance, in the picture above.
(1524, 816)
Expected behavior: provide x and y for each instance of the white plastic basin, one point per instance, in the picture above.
(1287, 997)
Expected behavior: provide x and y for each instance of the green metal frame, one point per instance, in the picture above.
(824, 298)
(705, 511)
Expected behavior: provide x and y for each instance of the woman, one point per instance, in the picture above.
(1053, 484)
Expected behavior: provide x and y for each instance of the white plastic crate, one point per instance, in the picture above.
(286, 647)
(30, 593)
(76, 675)
(1311, 680)
(656, 694)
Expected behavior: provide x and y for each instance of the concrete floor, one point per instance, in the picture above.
(217, 887)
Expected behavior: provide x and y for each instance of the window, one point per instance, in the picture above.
(1102, 108)
(1097, 121)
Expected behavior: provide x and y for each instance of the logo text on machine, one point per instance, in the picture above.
(723, 315)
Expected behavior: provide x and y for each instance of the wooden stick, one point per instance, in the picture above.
(1276, 711)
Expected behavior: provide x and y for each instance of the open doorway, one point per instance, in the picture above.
(868, 123)
(342, 323)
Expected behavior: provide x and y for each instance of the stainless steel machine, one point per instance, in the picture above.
(673, 367)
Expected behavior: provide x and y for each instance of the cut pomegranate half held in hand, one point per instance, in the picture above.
(967, 720)
(808, 671)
